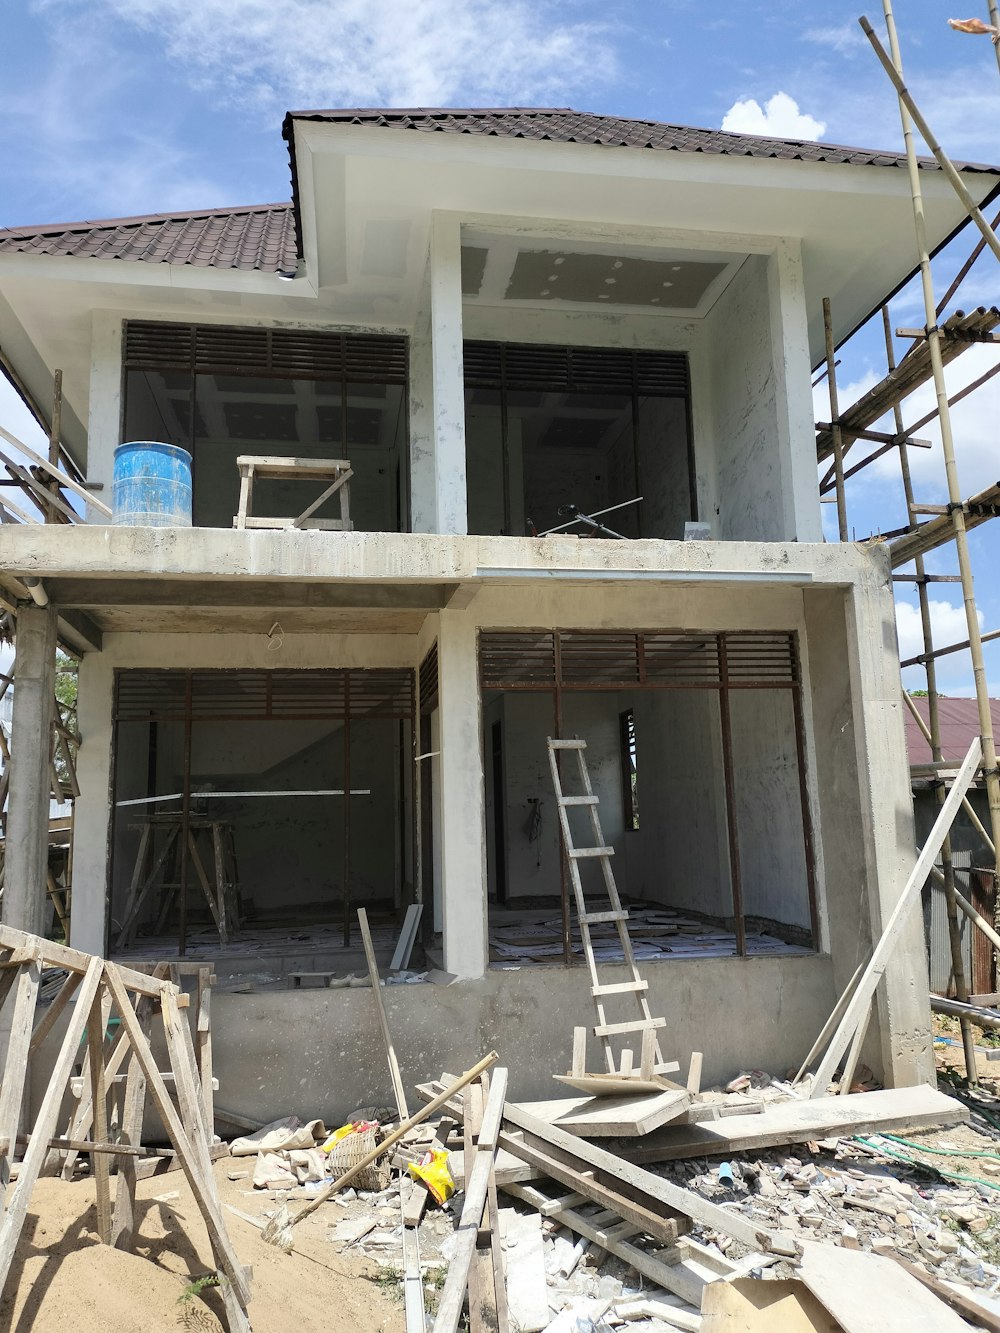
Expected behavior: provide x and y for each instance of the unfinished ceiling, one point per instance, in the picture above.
(502, 269)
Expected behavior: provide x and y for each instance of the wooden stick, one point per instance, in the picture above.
(476, 1194)
(99, 1164)
(202, 1189)
(433, 1105)
(859, 1002)
(16, 1066)
(13, 1221)
(397, 1083)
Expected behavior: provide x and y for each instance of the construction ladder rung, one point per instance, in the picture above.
(567, 745)
(579, 800)
(637, 1025)
(598, 918)
(619, 988)
(593, 852)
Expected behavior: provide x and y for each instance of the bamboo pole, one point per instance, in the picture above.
(838, 442)
(995, 20)
(894, 68)
(933, 733)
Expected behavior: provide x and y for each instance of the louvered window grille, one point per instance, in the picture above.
(428, 685)
(555, 369)
(356, 358)
(162, 696)
(621, 660)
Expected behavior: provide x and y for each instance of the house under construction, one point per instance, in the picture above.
(468, 329)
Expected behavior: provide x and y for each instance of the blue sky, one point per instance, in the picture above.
(118, 107)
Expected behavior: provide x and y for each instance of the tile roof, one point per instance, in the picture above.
(260, 237)
(958, 721)
(564, 125)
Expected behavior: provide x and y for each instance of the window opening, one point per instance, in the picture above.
(630, 795)
(722, 859)
(226, 392)
(549, 427)
(251, 803)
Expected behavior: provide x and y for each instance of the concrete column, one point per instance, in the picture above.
(887, 823)
(792, 375)
(437, 390)
(104, 423)
(93, 814)
(463, 858)
(28, 807)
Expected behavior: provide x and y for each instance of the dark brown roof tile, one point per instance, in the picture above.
(259, 238)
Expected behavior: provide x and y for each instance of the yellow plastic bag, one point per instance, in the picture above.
(435, 1172)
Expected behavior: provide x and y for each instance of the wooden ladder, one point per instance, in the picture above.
(651, 1062)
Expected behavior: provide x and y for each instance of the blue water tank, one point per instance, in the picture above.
(151, 486)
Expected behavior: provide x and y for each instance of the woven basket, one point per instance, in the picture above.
(349, 1151)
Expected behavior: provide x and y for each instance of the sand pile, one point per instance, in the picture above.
(64, 1281)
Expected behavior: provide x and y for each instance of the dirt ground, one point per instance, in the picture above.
(64, 1281)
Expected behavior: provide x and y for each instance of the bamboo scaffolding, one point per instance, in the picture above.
(927, 359)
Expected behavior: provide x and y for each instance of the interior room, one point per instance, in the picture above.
(551, 427)
(255, 811)
(701, 791)
(328, 396)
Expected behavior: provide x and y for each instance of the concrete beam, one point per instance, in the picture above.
(28, 807)
(78, 631)
(111, 592)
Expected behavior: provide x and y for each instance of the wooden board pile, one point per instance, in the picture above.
(93, 992)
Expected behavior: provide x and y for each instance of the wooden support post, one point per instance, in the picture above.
(477, 1178)
(16, 1067)
(99, 1164)
(45, 1122)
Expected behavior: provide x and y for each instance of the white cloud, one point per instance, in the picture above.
(84, 153)
(779, 117)
(948, 626)
(845, 39)
(321, 53)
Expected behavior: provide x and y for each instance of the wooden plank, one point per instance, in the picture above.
(99, 1164)
(45, 1122)
(651, 1186)
(397, 1082)
(15, 1070)
(612, 1117)
(963, 1302)
(481, 1286)
(48, 1020)
(852, 1284)
(528, 1292)
(864, 991)
(694, 1073)
(452, 1299)
(614, 1085)
(203, 1190)
(407, 936)
(751, 1306)
(73, 960)
(671, 1276)
(633, 1025)
(889, 1110)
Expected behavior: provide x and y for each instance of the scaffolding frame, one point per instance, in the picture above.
(929, 527)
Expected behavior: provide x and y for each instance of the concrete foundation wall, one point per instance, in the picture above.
(320, 1052)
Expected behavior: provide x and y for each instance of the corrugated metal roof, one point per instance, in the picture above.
(958, 720)
(565, 125)
(258, 238)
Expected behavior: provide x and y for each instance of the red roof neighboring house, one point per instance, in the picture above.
(958, 720)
